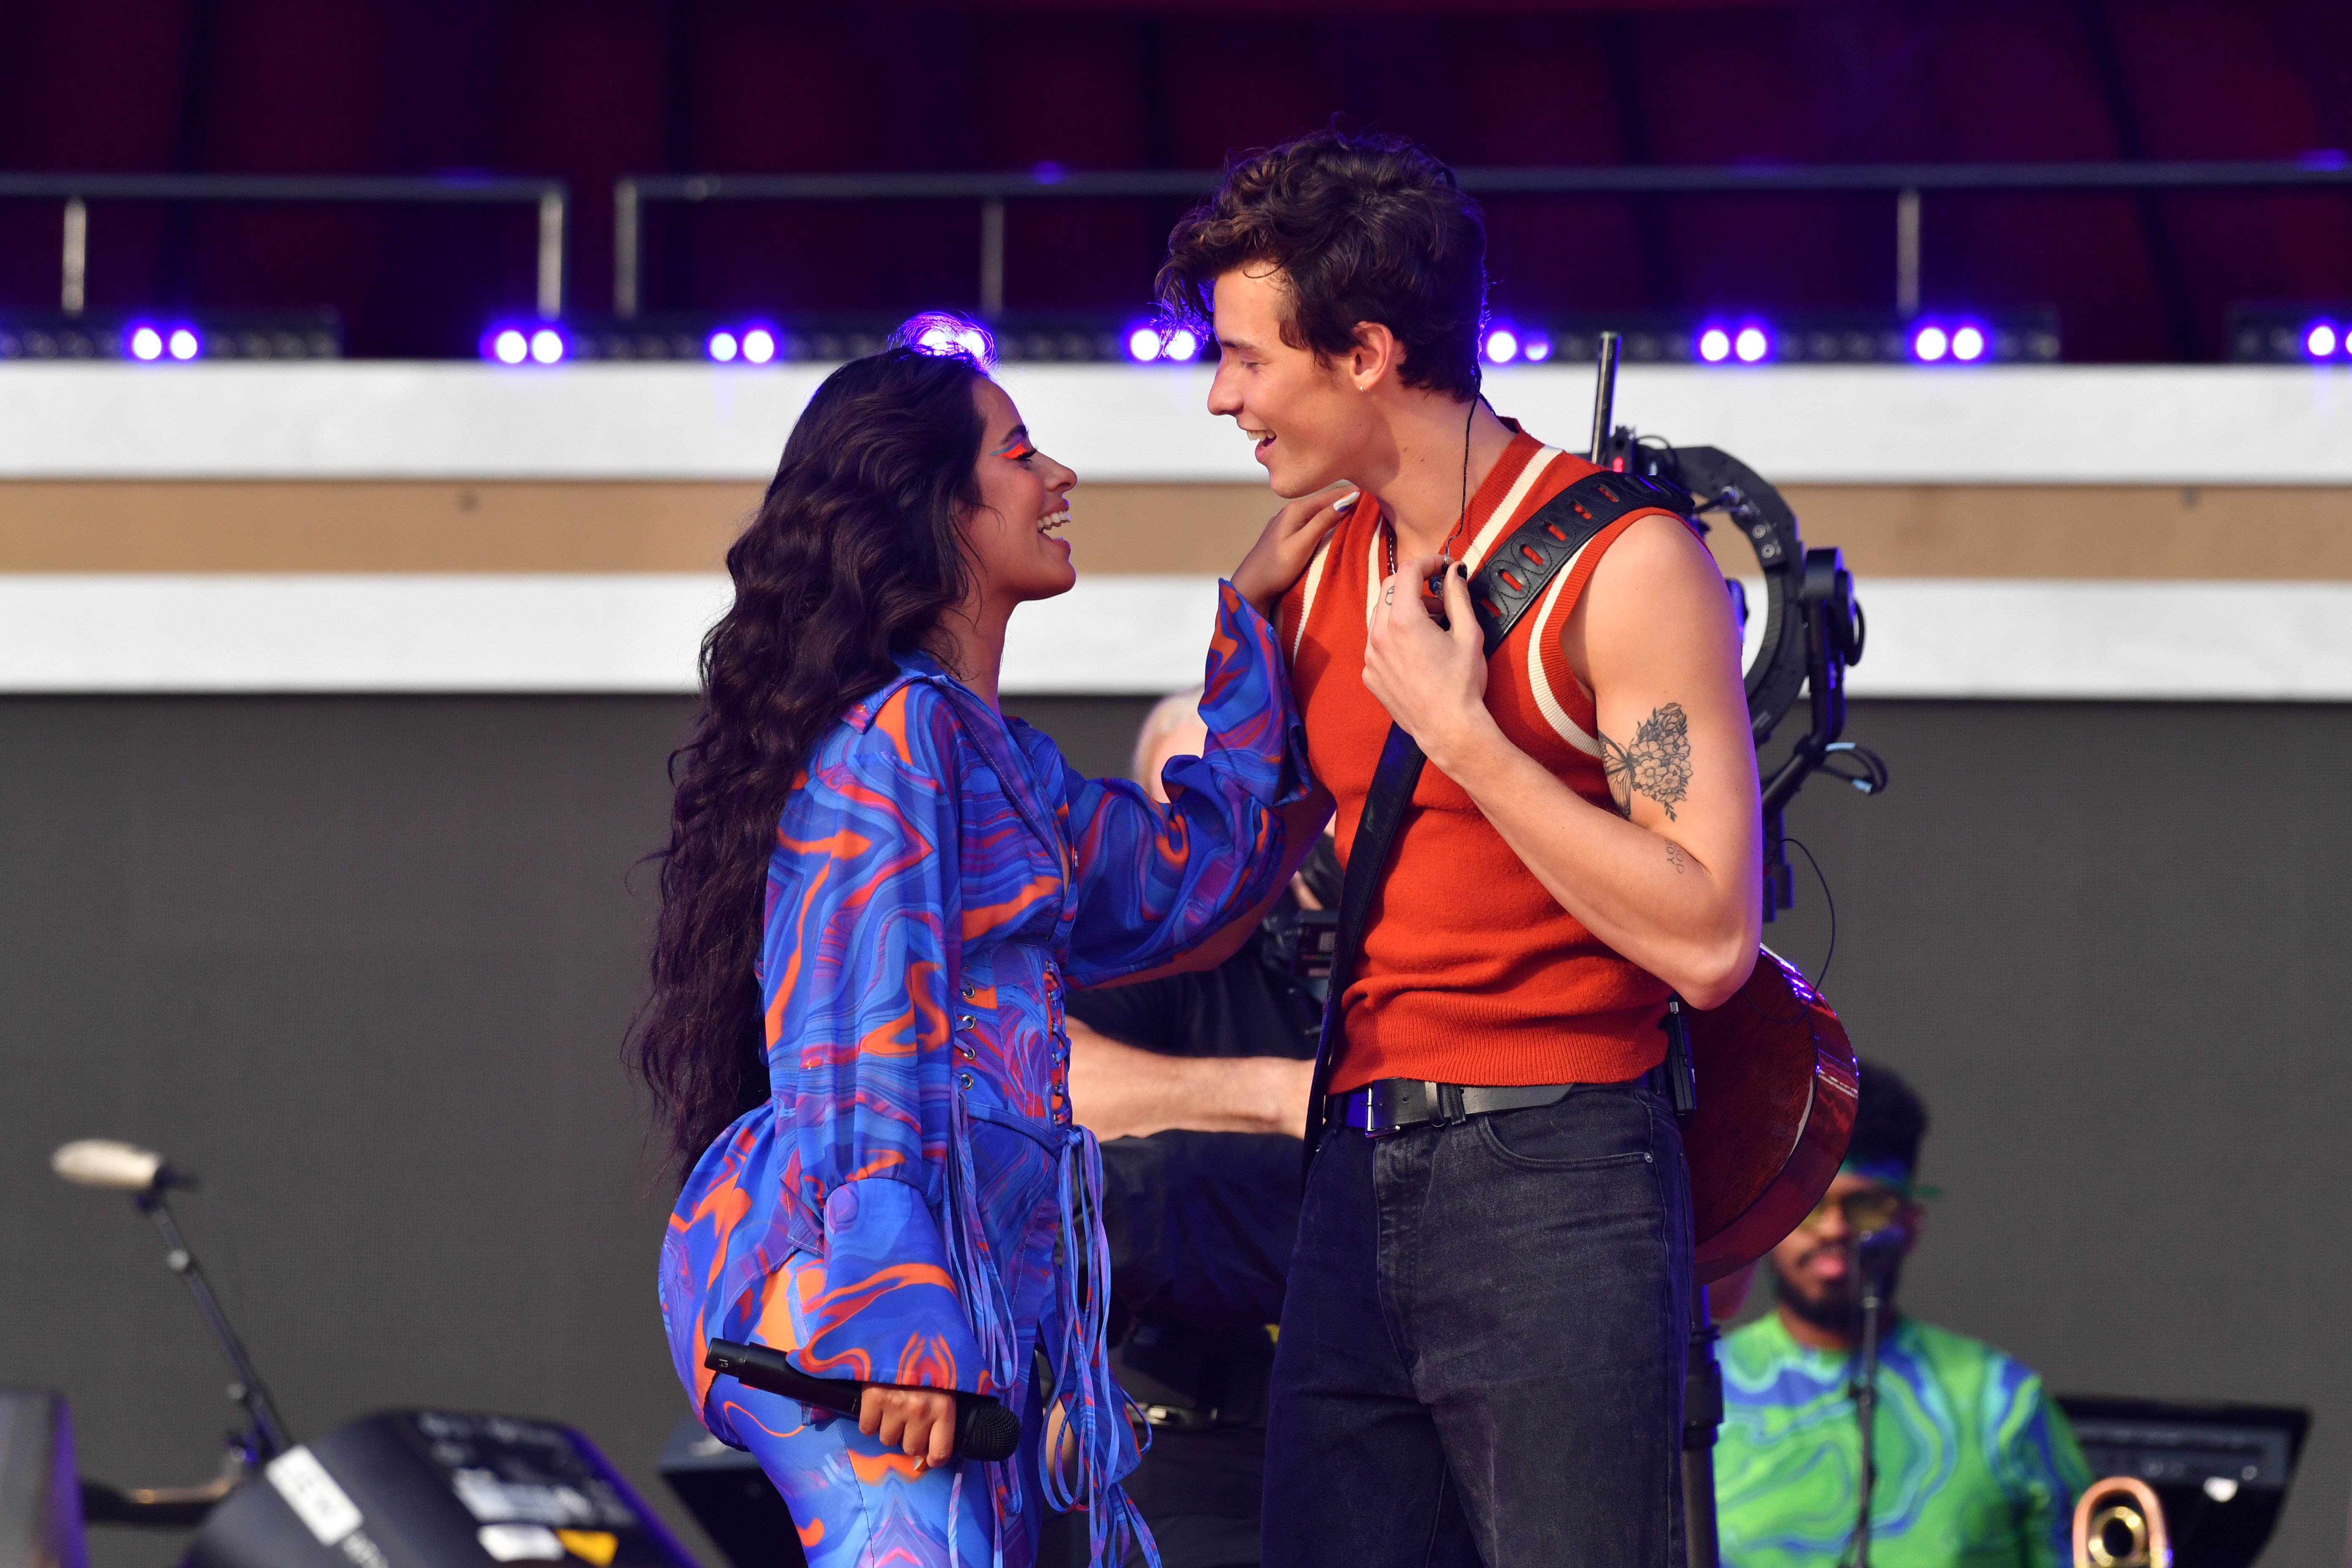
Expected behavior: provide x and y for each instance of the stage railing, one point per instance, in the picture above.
(1909, 184)
(77, 191)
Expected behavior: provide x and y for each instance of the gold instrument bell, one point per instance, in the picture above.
(2119, 1524)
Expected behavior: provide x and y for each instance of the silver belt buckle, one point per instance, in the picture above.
(1384, 1120)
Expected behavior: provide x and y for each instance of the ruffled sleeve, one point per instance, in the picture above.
(859, 957)
(1151, 882)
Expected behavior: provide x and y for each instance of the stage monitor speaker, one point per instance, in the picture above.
(427, 1489)
(41, 1497)
(731, 1498)
(2219, 1470)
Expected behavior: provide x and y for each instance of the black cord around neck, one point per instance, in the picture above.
(1463, 512)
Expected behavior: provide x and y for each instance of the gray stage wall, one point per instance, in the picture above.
(366, 965)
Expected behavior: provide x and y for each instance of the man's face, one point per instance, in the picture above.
(1813, 1268)
(1312, 422)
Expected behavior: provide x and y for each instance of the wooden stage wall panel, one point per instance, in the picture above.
(2244, 533)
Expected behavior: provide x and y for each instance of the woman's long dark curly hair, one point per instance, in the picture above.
(855, 554)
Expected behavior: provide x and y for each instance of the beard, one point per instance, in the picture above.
(1837, 1309)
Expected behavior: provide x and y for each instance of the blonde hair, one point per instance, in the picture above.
(1166, 714)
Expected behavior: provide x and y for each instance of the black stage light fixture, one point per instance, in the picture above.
(751, 338)
(1738, 338)
(2294, 331)
(172, 337)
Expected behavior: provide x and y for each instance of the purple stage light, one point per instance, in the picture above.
(1930, 343)
(1148, 342)
(546, 346)
(722, 346)
(2319, 342)
(945, 333)
(1536, 349)
(184, 344)
(1751, 344)
(1715, 345)
(1501, 345)
(146, 343)
(759, 345)
(1968, 343)
(508, 345)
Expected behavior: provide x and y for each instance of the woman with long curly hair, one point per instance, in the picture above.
(876, 892)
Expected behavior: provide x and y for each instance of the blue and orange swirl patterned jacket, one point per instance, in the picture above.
(896, 1210)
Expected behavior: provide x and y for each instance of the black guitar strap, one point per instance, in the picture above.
(1513, 577)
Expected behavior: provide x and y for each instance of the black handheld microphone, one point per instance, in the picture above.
(985, 1429)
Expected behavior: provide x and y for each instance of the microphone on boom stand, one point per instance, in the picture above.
(149, 1178)
(1874, 1257)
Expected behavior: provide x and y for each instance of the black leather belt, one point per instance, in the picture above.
(1394, 1104)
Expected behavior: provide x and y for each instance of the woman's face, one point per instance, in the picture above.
(1012, 539)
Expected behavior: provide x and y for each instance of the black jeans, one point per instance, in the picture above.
(1482, 1349)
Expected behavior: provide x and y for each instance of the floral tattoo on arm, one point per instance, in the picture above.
(1657, 762)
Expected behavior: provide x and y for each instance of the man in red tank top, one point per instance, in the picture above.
(1481, 1347)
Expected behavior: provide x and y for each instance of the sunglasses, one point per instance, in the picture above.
(1870, 1209)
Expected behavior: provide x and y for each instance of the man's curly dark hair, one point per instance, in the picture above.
(1362, 228)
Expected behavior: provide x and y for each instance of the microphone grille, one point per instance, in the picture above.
(105, 1162)
(994, 1432)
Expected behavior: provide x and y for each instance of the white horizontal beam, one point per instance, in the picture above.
(619, 633)
(1993, 425)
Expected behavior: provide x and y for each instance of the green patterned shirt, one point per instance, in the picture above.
(1976, 1464)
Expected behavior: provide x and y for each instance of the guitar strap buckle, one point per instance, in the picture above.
(1681, 1079)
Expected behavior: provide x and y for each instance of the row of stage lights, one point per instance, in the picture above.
(1743, 342)
(2311, 331)
(167, 341)
(1739, 343)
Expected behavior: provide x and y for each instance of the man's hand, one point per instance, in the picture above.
(1283, 551)
(1670, 878)
(1432, 679)
(921, 1421)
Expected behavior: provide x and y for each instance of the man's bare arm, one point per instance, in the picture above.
(1672, 878)
(1123, 1092)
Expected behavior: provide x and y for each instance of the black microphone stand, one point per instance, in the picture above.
(1870, 1269)
(1702, 1417)
(265, 1438)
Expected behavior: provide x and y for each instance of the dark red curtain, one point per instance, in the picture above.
(588, 89)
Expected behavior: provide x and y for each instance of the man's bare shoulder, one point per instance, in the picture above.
(1658, 582)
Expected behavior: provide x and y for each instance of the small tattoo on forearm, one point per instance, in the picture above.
(1676, 859)
(1388, 595)
(1656, 764)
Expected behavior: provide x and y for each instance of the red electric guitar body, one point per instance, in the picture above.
(1777, 1089)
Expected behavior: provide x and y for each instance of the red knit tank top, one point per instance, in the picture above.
(1470, 971)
